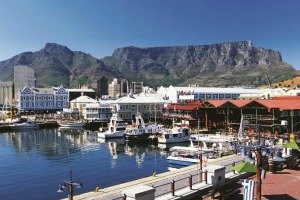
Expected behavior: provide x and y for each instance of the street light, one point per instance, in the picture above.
(70, 185)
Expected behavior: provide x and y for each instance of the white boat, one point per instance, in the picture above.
(186, 156)
(175, 135)
(71, 125)
(222, 144)
(24, 126)
(140, 129)
(116, 128)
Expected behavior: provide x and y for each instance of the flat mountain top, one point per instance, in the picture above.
(224, 64)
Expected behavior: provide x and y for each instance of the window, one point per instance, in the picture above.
(227, 95)
(175, 135)
(208, 96)
(234, 96)
(215, 96)
(221, 96)
(201, 96)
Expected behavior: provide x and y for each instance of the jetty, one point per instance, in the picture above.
(182, 183)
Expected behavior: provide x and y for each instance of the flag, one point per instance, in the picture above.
(248, 189)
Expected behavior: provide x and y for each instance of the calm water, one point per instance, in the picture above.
(34, 163)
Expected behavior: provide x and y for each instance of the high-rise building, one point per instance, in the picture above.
(6, 93)
(102, 87)
(137, 87)
(23, 76)
(118, 88)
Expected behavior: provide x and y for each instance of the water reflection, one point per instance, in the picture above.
(44, 157)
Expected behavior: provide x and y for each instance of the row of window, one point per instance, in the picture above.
(216, 96)
(43, 104)
(132, 107)
(27, 98)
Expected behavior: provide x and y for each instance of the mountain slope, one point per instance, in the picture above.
(233, 63)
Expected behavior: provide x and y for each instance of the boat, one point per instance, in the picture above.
(23, 125)
(140, 130)
(175, 135)
(71, 125)
(222, 144)
(116, 128)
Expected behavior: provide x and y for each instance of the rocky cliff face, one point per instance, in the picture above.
(233, 63)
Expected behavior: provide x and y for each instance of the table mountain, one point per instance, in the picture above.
(233, 63)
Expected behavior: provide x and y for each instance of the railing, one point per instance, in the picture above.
(188, 180)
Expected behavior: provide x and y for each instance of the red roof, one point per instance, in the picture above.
(281, 104)
(216, 103)
(240, 103)
(287, 98)
(184, 106)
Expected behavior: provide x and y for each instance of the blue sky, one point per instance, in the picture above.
(99, 27)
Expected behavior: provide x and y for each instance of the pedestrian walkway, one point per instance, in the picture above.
(161, 182)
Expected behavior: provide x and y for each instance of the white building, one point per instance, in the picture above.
(100, 111)
(80, 103)
(43, 99)
(23, 76)
(175, 94)
(146, 104)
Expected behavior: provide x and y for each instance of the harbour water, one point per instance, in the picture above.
(34, 163)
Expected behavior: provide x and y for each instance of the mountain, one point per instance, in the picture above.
(57, 64)
(224, 64)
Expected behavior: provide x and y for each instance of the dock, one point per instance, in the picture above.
(183, 183)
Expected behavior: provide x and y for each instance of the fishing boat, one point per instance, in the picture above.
(116, 128)
(176, 134)
(140, 130)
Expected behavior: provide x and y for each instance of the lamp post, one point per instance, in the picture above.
(70, 185)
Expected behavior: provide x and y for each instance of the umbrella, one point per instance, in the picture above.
(292, 145)
(244, 167)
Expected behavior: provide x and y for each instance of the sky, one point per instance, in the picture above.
(98, 27)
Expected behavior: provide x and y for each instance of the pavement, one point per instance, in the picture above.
(283, 185)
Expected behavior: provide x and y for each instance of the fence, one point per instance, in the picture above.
(170, 186)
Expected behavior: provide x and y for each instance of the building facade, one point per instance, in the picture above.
(118, 88)
(147, 105)
(177, 94)
(137, 87)
(43, 99)
(80, 103)
(102, 87)
(23, 76)
(6, 93)
(97, 112)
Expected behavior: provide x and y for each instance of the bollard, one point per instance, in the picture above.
(233, 164)
(191, 181)
(173, 188)
(205, 177)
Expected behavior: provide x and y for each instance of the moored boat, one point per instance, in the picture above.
(116, 128)
(23, 125)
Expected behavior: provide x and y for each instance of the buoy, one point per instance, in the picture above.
(97, 189)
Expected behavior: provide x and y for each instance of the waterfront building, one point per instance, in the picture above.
(146, 104)
(6, 93)
(100, 111)
(118, 88)
(23, 76)
(43, 99)
(176, 94)
(102, 87)
(137, 87)
(75, 93)
(80, 103)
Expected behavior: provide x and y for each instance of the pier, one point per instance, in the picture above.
(183, 183)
